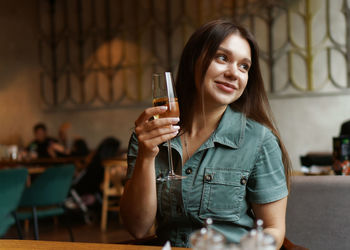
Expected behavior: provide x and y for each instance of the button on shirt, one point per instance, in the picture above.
(239, 164)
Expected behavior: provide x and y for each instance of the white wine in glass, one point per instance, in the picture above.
(164, 95)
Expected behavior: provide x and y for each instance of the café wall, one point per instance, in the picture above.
(20, 104)
(306, 123)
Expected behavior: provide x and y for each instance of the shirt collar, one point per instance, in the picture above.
(230, 131)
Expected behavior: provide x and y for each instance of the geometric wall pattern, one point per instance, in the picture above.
(101, 54)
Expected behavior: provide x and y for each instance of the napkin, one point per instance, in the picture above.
(167, 246)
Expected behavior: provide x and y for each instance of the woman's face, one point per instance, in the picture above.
(227, 74)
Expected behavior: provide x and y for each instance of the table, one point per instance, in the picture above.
(39, 162)
(38, 166)
(46, 162)
(53, 245)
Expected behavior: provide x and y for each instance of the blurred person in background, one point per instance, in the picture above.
(44, 146)
(74, 146)
(79, 148)
(64, 136)
(87, 183)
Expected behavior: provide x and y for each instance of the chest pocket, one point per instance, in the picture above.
(223, 194)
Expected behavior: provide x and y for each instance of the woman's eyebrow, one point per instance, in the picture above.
(230, 53)
(225, 50)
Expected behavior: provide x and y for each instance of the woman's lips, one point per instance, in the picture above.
(226, 87)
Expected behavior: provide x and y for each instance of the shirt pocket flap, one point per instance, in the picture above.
(226, 177)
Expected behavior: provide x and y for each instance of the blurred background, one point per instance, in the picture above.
(89, 63)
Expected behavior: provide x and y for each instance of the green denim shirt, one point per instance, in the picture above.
(239, 164)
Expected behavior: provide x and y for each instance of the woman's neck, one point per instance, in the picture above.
(205, 121)
(205, 118)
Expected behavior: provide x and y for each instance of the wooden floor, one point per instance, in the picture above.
(54, 230)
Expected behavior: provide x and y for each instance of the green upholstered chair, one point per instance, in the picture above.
(46, 195)
(12, 184)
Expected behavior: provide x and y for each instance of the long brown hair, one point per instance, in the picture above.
(196, 57)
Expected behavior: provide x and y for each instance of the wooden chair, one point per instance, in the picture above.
(114, 174)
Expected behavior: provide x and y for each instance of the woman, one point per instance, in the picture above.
(226, 145)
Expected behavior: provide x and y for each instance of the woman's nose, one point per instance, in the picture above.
(231, 71)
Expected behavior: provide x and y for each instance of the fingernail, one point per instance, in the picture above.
(163, 107)
(175, 119)
(176, 127)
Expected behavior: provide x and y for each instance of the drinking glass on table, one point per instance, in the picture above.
(164, 95)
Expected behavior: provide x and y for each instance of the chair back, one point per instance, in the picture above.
(318, 212)
(115, 170)
(49, 188)
(12, 184)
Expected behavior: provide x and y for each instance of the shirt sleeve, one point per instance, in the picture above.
(267, 182)
(132, 154)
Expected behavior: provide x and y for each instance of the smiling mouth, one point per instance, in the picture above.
(226, 84)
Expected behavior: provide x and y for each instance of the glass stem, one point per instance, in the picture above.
(170, 158)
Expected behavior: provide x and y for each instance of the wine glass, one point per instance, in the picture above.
(164, 95)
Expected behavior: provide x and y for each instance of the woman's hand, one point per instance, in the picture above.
(139, 201)
(152, 132)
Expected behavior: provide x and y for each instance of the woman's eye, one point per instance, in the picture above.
(245, 66)
(221, 57)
